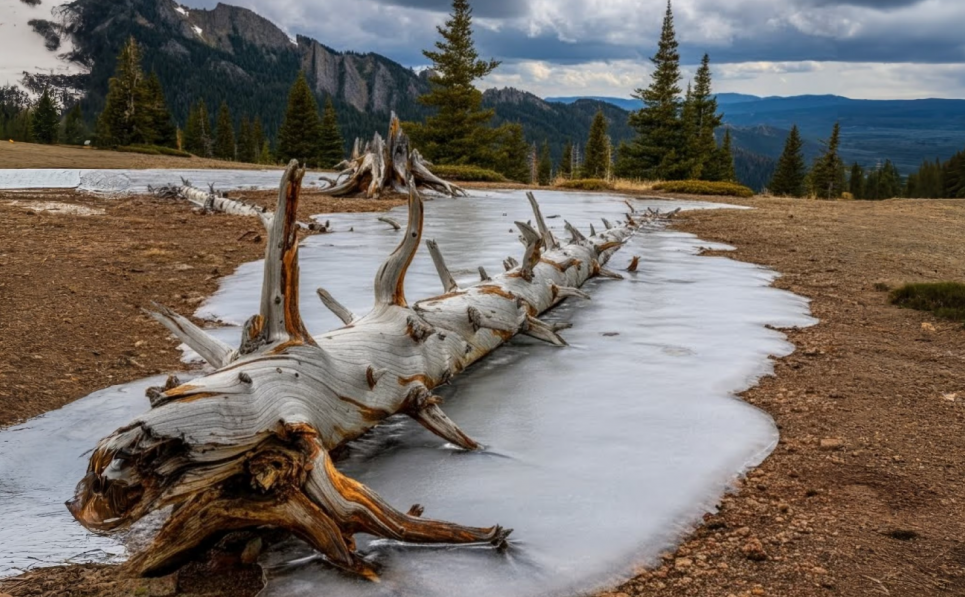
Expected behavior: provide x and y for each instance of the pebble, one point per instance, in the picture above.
(831, 443)
(683, 563)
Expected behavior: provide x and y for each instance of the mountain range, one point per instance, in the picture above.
(232, 54)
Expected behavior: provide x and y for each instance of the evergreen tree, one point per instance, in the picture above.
(298, 138)
(197, 132)
(224, 140)
(121, 122)
(258, 137)
(566, 161)
(332, 147)
(827, 180)
(265, 156)
(791, 174)
(247, 152)
(154, 118)
(883, 182)
(657, 151)
(545, 174)
(721, 165)
(953, 177)
(45, 122)
(457, 133)
(927, 182)
(74, 127)
(856, 181)
(706, 121)
(595, 160)
(514, 157)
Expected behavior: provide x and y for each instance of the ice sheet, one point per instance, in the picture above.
(600, 455)
(131, 182)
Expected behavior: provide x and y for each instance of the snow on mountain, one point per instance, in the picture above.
(23, 49)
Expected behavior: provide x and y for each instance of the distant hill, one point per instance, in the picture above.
(904, 131)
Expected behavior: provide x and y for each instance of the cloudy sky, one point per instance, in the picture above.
(860, 48)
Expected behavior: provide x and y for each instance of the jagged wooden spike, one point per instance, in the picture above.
(634, 264)
(424, 408)
(549, 241)
(510, 264)
(605, 273)
(390, 281)
(576, 235)
(562, 292)
(448, 282)
(395, 225)
(542, 331)
(483, 276)
(534, 244)
(346, 316)
(281, 318)
(214, 352)
(592, 230)
(607, 223)
(633, 208)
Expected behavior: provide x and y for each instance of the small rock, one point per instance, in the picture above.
(754, 550)
(928, 328)
(831, 444)
(950, 397)
(683, 563)
(819, 571)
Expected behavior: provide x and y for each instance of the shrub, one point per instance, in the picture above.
(703, 187)
(467, 174)
(945, 300)
(585, 184)
(154, 150)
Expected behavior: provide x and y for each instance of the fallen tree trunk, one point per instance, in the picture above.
(215, 202)
(249, 445)
(387, 165)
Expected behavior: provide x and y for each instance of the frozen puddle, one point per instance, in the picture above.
(132, 182)
(599, 455)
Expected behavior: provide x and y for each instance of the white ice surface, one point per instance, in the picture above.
(599, 455)
(130, 182)
(22, 49)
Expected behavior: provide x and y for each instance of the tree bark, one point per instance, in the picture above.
(249, 445)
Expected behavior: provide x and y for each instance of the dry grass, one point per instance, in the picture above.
(32, 155)
(630, 185)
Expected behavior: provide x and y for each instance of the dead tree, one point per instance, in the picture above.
(248, 446)
(387, 165)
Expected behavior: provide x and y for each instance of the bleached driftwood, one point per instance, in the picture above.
(248, 446)
(213, 201)
(387, 164)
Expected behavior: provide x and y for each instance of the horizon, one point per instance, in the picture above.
(904, 50)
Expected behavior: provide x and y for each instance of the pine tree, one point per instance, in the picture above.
(514, 156)
(791, 174)
(298, 138)
(659, 147)
(566, 161)
(265, 156)
(724, 158)
(197, 131)
(224, 140)
(258, 137)
(154, 118)
(545, 174)
(45, 122)
(595, 161)
(457, 133)
(827, 179)
(247, 152)
(856, 181)
(332, 147)
(121, 122)
(706, 121)
(953, 177)
(74, 126)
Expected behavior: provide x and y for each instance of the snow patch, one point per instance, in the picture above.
(181, 10)
(58, 208)
(198, 31)
(22, 49)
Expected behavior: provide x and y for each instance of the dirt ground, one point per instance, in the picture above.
(864, 496)
(32, 155)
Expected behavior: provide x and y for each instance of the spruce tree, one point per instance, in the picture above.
(246, 143)
(331, 145)
(595, 164)
(45, 122)
(791, 174)
(953, 177)
(224, 141)
(457, 133)
(154, 119)
(258, 137)
(706, 121)
(566, 161)
(827, 179)
(298, 138)
(197, 132)
(657, 151)
(74, 126)
(545, 174)
(724, 157)
(121, 122)
(515, 154)
(265, 156)
(856, 181)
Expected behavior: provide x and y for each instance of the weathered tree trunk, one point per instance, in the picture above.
(248, 445)
(393, 166)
